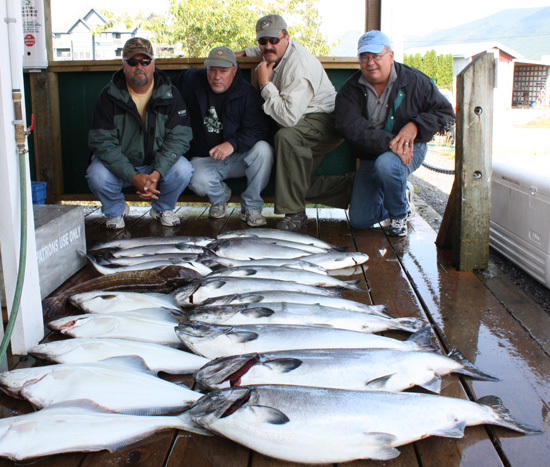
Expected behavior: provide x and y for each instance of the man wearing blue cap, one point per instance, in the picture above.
(388, 112)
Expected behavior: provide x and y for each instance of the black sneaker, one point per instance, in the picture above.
(293, 222)
(398, 228)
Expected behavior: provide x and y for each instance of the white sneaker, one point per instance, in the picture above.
(253, 217)
(118, 222)
(218, 211)
(167, 218)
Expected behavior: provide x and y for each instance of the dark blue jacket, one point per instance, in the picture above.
(244, 121)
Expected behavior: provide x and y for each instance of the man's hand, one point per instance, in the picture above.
(263, 72)
(146, 185)
(221, 151)
(403, 143)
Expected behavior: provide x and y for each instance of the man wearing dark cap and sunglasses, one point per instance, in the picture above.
(139, 133)
(299, 96)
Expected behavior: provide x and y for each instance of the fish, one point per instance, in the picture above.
(159, 249)
(99, 301)
(120, 384)
(282, 235)
(156, 328)
(328, 426)
(312, 249)
(271, 296)
(142, 241)
(104, 270)
(338, 260)
(160, 280)
(157, 357)
(107, 259)
(213, 341)
(300, 314)
(353, 369)
(248, 248)
(80, 427)
(289, 275)
(203, 289)
(295, 263)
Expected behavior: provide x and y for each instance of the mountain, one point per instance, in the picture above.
(524, 30)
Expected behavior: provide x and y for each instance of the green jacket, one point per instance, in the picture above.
(122, 142)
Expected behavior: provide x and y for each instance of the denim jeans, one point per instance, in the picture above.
(255, 164)
(107, 187)
(380, 188)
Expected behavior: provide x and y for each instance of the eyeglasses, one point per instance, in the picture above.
(272, 40)
(376, 58)
(142, 61)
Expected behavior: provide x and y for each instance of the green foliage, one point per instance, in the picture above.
(444, 77)
(430, 64)
(439, 68)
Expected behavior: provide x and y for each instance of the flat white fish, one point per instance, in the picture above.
(280, 234)
(288, 274)
(121, 384)
(79, 427)
(249, 248)
(154, 328)
(86, 350)
(296, 263)
(142, 241)
(338, 260)
(97, 300)
(300, 314)
(325, 426)
(353, 369)
(261, 298)
(204, 289)
(213, 341)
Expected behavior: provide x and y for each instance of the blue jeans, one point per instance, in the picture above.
(380, 188)
(107, 187)
(255, 163)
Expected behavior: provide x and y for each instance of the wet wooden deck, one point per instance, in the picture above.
(499, 332)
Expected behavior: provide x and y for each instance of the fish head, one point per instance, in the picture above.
(178, 275)
(183, 293)
(13, 382)
(225, 371)
(195, 330)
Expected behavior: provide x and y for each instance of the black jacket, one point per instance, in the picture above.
(414, 97)
(244, 121)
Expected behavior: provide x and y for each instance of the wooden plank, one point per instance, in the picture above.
(206, 451)
(474, 126)
(470, 318)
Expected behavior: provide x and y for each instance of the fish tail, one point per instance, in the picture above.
(354, 285)
(423, 339)
(188, 424)
(334, 291)
(339, 248)
(408, 324)
(504, 417)
(53, 307)
(469, 368)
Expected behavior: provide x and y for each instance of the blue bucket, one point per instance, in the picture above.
(38, 192)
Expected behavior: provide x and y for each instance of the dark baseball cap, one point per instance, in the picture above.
(269, 26)
(136, 46)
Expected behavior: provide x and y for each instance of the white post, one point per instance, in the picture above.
(29, 327)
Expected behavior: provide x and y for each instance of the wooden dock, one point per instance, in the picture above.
(487, 319)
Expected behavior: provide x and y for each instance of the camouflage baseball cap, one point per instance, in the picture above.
(137, 45)
(269, 26)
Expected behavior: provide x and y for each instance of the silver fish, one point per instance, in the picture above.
(80, 427)
(300, 314)
(289, 275)
(154, 328)
(327, 426)
(86, 350)
(312, 249)
(249, 248)
(160, 248)
(142, 241)
(121, 384)
(296, 263)
(338, 260)
(282, 235)
(261, 298)
(102, 301)
(107, 259)
(213, 341)
(353, 369)
(203, 289)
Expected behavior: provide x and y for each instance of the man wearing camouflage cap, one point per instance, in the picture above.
(229, 129)
(138, 135)
(299, 96)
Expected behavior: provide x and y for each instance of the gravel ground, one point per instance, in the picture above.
(434, 189)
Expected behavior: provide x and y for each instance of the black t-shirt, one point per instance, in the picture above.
(213, 126)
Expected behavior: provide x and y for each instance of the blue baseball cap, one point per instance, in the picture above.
(373, 42)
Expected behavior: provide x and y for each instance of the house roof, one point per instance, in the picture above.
(463, 50)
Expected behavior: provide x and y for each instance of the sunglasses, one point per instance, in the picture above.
(272, 40)
(142, 61)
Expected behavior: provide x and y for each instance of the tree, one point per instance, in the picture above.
(445, 72)
(429, 64)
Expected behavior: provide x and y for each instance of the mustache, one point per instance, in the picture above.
(269, 51)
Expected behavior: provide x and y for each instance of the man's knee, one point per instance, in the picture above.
(262, 153)
(181, 171)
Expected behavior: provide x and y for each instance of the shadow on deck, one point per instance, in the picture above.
(489, 322)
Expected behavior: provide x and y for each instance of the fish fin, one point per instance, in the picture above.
(242, 337)
(270, 415)
(191, 426)
(378, 383)
(354, 285)
(456, 430)
(131, 362)
(469, 368)
(283, 365)
(504, 417)
(257, 312)
(153, 411)
(423, 339)
(334, 291)
(53, 307)
(433, 385)
(378, 446)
